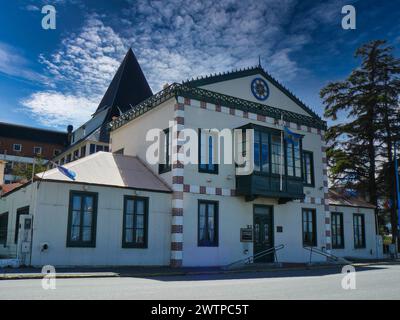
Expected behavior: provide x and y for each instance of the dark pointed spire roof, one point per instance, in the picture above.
(128, 87)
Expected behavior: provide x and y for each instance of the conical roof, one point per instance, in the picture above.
(128, 87)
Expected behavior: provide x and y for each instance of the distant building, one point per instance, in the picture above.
(21, 144)
(128, 88)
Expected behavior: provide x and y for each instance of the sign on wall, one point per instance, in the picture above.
(246, 235)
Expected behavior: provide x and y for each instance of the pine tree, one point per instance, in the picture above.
(360, 147)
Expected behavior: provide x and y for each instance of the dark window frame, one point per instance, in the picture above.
(204, 243)
(311, 154)
(334, 234)
(200, 165)
(363, 242)
(20, 147)
(4, 234)
(166, 167)
(82, 244)
(133, 244)
(314, 241)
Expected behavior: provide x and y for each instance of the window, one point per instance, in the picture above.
(165, 152)
(99, 148)
(135, 222)
(206, 152)
(106, 149)
(276, 154)
(261, 153)
(337, 230)
(37, 150)
(208, 223)
(20, 211)
(359, 230)
(76, 155)
(309, 228)
(92, 148)
(82, 217)
(17, 147)
(56, 152)
(68, 159)
(3, 228)
(308, 168)
(62, 161)
(293, 160)
(83, 151)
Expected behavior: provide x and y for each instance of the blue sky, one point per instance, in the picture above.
(50, 78)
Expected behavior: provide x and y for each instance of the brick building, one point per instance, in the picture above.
(21, 144)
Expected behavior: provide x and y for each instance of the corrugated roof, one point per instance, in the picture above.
(337, 198)
(108, 169)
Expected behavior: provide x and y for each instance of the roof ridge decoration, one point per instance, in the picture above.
(212, 78)
(188, 91)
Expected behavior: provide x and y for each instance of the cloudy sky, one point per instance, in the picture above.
(51, 78)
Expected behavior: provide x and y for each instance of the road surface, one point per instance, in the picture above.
(373, 282)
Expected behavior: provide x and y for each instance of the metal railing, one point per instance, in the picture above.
(328, 255)
(258, 255)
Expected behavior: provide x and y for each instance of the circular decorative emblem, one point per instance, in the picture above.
(260, 89)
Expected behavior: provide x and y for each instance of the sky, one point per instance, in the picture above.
(52, 78)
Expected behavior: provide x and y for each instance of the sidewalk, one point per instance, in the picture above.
(156, 271)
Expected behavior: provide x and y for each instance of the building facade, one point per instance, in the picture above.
(125, 209)
(19, 145)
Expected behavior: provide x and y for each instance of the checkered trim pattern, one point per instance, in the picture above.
(328, 238)
(248, 115)
(177, 188)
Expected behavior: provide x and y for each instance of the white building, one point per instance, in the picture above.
(123, 210)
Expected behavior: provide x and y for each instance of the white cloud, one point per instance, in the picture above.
(58, 110)
(80, 70)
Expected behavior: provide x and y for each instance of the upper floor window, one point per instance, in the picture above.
(165, 151)
(82, 217)
(308, 168)
(136, 211)
(293, 159)
(83, 151)
(261, 151)
(17, 147)
(207, 152)
(56, 152)
(309, 227)
(359, 230)
(37, 150)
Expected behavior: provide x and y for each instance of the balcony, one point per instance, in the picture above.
(261, 185)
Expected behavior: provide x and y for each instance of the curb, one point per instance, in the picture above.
(16, 276)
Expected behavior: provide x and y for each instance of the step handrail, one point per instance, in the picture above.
(330, 256)
(257, 256)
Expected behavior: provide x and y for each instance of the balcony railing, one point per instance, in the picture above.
(261, 185)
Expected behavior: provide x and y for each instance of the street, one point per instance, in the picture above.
(372, 282)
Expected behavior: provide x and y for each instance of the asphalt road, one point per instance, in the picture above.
(373, 282)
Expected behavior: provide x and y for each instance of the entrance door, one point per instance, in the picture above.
(263, 232)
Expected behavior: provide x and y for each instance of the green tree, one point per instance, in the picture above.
(360, 148)
(24, 171)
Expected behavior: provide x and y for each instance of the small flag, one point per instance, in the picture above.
(69, 173)
(66, 172)
(291, 136)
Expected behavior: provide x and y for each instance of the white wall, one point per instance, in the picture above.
(370, 251)
(241, 88)
(235, 213)
(51, 220)
(11, 204)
